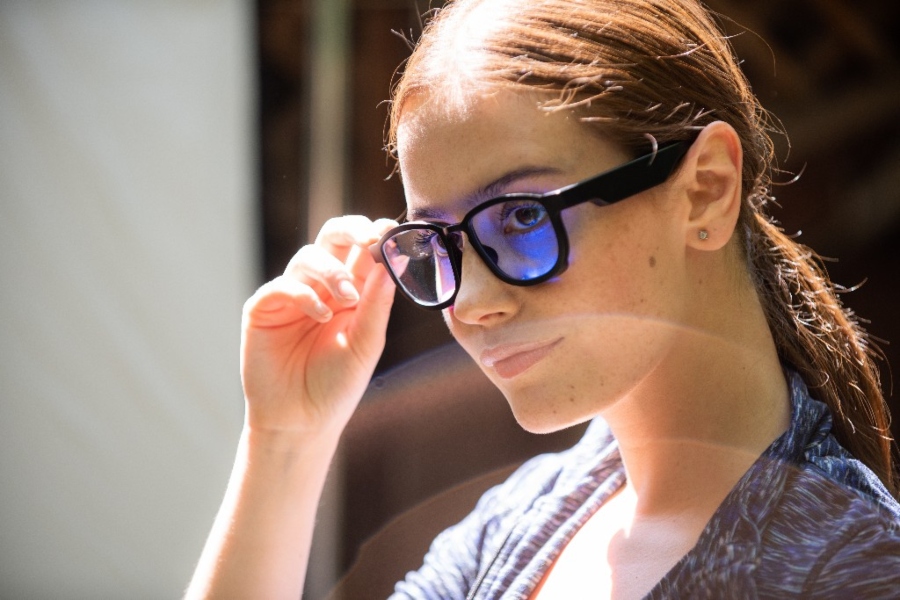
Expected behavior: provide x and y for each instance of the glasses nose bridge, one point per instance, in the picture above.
(454, 249)
(487, 257)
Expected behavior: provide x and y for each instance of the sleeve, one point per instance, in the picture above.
(864, 564)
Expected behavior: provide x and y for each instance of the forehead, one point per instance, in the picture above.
(452, 147)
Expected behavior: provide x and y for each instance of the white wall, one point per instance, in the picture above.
(127, 246)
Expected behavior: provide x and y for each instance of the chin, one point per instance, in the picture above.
(541, 415)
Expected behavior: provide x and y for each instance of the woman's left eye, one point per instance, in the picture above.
(524, 217)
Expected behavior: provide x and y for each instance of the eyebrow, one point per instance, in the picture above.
(487, 192)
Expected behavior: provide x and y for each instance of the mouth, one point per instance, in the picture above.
(511, 360)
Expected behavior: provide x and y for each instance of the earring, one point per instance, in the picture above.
(703, 234)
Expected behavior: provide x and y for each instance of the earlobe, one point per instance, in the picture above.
(712, 171)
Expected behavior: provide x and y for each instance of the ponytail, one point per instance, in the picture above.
(820, 338)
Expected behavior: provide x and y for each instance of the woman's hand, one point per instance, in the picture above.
(311, 337)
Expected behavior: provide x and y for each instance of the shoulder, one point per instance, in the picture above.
(819, 470)
(860, 518)
(811, 519)
(861, 560)
(833, 530)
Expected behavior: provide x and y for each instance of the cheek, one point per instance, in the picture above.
(602, 267)
(626, 260)
(603, 357)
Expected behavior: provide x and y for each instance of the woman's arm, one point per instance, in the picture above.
(310, 342)
(260, 541)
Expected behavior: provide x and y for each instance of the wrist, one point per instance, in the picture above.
(263, 440)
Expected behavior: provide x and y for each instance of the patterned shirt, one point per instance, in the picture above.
(807, 520)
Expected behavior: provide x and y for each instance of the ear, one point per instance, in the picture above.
(711, 171)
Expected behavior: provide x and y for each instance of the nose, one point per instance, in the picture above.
(481, 299)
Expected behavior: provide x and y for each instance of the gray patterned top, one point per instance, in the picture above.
(807, 520)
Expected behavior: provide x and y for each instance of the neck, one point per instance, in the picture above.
(717, 401)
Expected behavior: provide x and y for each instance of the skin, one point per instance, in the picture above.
(650, 327)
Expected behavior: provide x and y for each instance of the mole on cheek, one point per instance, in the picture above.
(652, 261)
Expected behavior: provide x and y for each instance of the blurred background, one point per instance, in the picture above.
(159, 160)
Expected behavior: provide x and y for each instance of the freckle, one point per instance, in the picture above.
(652, 261)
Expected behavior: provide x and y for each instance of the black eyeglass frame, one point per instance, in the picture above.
(609, 187)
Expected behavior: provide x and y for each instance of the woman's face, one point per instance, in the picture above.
(564, 350)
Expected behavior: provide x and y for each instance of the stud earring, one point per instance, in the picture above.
(703, 234)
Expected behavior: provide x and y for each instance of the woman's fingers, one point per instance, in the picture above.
(377, 298)
(338, 260)
(282, 301)
(359, 260)
(340, 234)
(315, 263)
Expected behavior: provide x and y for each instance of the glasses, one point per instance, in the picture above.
(520, 237)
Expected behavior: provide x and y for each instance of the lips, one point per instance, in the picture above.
(510, 360)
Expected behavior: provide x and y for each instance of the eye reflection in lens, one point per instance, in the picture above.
(421, 265)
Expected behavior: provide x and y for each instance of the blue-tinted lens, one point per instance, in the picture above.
(518, 237)
(419, 261)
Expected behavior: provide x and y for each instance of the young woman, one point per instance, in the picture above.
(585, 182)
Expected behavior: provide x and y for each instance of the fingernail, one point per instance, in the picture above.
(347, 291)
(321, 309)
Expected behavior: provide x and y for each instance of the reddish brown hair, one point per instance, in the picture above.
(663, 69)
